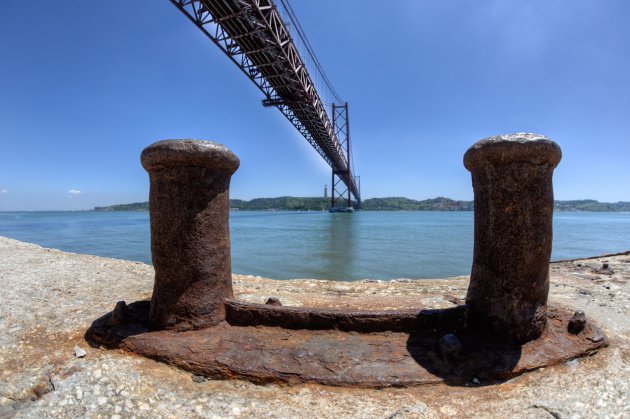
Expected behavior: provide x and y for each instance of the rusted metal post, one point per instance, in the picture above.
(509, 283)
(190, 237)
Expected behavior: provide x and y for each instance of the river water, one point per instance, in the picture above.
(282, 245)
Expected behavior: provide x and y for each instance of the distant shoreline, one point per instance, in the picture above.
(289, 203)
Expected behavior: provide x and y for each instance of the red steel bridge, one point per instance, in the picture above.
(265, 41)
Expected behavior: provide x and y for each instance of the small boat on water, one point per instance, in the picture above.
(336, 209)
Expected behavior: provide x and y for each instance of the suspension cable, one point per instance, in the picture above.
(309, 49)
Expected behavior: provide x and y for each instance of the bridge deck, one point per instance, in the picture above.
(254, 36)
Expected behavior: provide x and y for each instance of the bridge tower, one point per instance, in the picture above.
(340, 192)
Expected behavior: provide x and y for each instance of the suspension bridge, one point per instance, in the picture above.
(267, 43)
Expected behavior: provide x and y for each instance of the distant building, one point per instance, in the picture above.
(325, 191)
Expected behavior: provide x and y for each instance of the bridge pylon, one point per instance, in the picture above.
(340, 185)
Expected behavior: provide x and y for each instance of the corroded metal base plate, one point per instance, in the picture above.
(333, 357)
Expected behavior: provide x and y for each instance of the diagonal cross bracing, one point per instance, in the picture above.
(254, 36)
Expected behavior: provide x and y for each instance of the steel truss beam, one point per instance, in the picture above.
(254, 37)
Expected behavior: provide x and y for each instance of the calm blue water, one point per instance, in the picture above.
(380, 245)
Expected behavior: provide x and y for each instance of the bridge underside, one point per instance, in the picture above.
(254, 36)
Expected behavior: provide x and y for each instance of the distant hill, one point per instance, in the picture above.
(592, 205)
(290, 203)
(406, 204)
(136, 206)
(286, 203)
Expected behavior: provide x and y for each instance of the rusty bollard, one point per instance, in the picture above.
(509, 283)
(190, 237)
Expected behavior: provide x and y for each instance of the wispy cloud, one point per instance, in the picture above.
(3, 191)
(74, 192)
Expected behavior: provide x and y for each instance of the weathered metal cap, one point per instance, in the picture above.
(189, 153)
(509, 148)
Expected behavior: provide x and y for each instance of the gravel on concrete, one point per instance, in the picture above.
(49, 298)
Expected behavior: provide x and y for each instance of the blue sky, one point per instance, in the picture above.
(84, 89)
